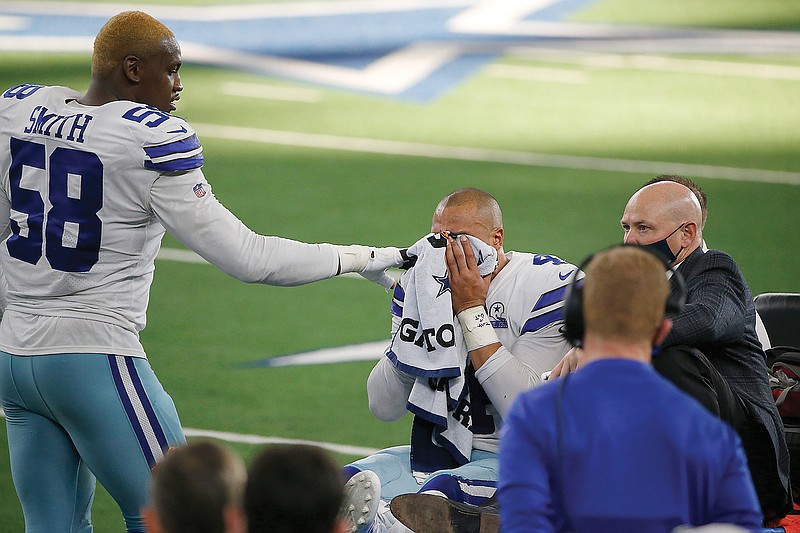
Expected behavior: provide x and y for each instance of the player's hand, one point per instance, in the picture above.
(568, 364)
(467, 287)
(380, 260)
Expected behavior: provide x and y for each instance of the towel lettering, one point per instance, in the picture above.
(444, 336)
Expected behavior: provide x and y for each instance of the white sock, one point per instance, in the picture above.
(385, 522)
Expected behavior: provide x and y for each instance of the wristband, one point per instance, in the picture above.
(478, 331)
(353, 258)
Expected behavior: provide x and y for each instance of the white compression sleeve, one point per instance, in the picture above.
(388, 390)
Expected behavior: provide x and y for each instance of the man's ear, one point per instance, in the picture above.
(234, 518)
(689, 233)
(340, 526)
(662, 331)
(151, 521)
(132, 67)
(497, 238)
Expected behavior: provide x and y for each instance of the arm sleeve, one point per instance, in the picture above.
(715, 307)
(387, 387)
(388, 390)
(509, 372)
(524, 490)
(203, 224)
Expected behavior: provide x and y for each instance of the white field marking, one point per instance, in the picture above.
(38, 43)
(367, 351)
(232, 12)
(182, 256)
(659, 63)
(460, 153)
(244, 438)
(550, 75)
(669, 41)
(391, 74)
(271, 92)
(13, 23)
(260, 440)
(508, 18)
(495, 16)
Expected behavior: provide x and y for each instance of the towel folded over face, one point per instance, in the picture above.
(425, 343)
(429, 345)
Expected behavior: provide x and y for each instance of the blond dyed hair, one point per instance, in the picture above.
(625, 294)
(128, 33)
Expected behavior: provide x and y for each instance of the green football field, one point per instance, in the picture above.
(318, 174)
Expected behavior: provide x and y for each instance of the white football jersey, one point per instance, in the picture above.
(86, 193)
(525, 305)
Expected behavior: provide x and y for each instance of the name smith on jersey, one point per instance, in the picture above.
(71, 127)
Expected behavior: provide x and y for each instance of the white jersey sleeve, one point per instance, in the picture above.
(525, 304)
(188, 209)
(388, 388)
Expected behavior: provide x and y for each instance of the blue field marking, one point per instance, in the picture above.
(331, 46)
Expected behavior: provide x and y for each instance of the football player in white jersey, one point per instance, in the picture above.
(522, 300)
(88, 185)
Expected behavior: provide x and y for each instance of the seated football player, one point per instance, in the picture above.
(472, 327)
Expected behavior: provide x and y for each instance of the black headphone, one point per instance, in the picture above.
(574, 327)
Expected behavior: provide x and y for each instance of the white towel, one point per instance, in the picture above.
(424, 345)
(429, 343)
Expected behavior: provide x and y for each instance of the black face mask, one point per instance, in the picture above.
(661, 247)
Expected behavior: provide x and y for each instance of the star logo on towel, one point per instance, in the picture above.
(444, 282)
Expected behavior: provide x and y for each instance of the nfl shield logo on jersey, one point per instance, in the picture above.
(199, 191)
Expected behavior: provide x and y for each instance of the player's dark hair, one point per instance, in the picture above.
(194, 484)
(293, 488)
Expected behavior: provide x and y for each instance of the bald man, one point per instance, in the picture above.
(511, 322)
(712, 352)
(701, 195)
(88, 185)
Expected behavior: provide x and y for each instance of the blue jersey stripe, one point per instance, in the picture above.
(174, 165)
(538, 322)
(399, 293)
(176, 147)
(550, 297)
(396, 310)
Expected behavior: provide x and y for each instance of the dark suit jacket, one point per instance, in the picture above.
(719, 320)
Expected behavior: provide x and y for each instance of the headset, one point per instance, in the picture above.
(574, 327)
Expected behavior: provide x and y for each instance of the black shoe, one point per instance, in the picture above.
(428, 513)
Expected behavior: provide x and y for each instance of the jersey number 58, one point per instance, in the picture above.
(70, 230)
